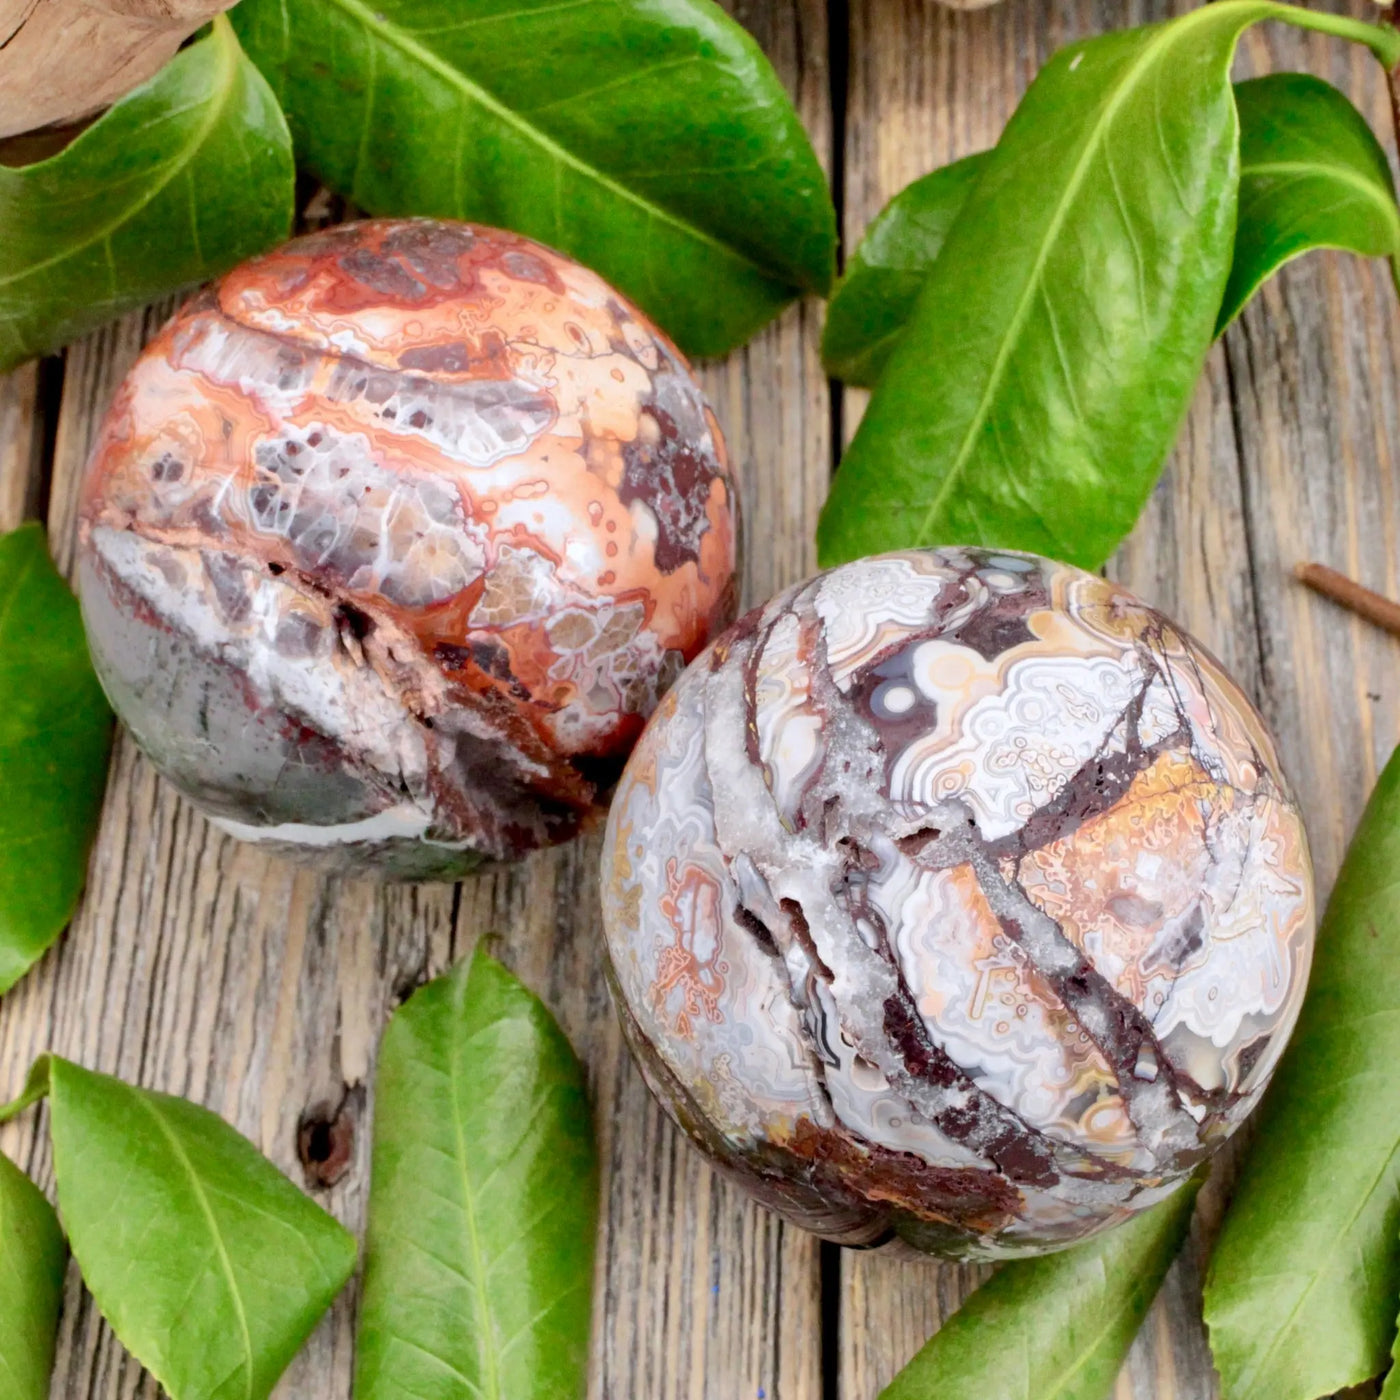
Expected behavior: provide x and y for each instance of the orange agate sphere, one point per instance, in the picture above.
(392, 540)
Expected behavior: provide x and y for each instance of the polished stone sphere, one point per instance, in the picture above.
(393, 538)
(957, 895)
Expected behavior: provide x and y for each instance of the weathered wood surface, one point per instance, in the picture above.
(1286, 455)
(206, 968)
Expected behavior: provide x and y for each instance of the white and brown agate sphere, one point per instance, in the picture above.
(958, 895)
(392, 540)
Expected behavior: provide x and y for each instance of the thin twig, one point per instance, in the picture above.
(1350, 594)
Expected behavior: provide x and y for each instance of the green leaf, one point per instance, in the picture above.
(650, 139)
(483, 1205)
(1391, 1389)
(873, 301)
(1053, 1328)
(210, 1266)
(1312, 175)
(36, 1087)
(32, 1260)
(182, 178)
(55, 731)
(1301, 1293)
(1058, 337)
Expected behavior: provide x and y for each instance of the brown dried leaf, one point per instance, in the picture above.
(62, 60)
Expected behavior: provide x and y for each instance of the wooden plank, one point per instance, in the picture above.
(21, 443)
(925, 85)
(1313, 365)
(704, 1295)
(209, 969)
(1189, 556)
(1286, 454)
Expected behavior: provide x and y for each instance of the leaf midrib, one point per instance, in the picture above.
(221, 34)
(178, 1148)
(1328, 1254)
(1374, 190)
(411, 47)
(1087, 1354)
(6, 1365)
(1171, 32)
(490, 1360)
(7, 604)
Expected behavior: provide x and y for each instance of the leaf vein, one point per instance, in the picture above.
(407, 43)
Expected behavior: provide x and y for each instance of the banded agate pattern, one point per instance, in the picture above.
(957, 895)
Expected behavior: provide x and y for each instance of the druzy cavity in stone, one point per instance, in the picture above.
(957, 895)
(393, 538)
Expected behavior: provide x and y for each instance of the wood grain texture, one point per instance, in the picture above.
(1286, 454)
(206, 968)
(21, 446)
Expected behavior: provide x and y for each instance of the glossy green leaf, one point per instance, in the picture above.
(36, 1087)
(32, 1261)
(1303, 1286)
(483, 1205)
(210, 1266)
(182, 178)
(1391, 1389)
(55, 730)
(650, 139)
(1053, 1328)
(1058, 337)
(882, 279)
(1312, 175)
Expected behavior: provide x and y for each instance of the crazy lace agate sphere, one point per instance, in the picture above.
(958, 895)
(392, 540)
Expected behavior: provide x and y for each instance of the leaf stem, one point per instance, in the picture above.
(1364, 602)
(1382, 39)
(36, 1087)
